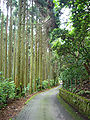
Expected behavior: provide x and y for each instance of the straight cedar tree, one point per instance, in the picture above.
(49, 66)
(44, 57)
(1, 42)
(0, 39)
(36, 55)
(15, 53)
(45, 52)
(38, 51)
(10, 44)
(47, 60)
(40, 57)
(26, 72)
(22, 67)
(26, 59)
(6, 42)
(19, 45)
(31, 65)
(14, 56)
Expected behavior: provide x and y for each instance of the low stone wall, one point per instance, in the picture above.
(80, 103)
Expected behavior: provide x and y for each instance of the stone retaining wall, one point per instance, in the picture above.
(80, 103)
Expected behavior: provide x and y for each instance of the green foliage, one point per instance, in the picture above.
(56, 44)
(7, 91)
(72, 73)
(74, 90)
(47, 84)
(51, 83)
(78, 38)
(44, 84)
(81, 92)
(73, 47)
(80, 20)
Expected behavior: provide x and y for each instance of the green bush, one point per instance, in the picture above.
(44, 84)
(80, 103)
(47, 84)
(7, 91)
(51, 83)
(71, 74)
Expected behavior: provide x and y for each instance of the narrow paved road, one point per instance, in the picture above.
(44, 106)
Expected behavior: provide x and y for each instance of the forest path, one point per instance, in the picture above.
(44, 106)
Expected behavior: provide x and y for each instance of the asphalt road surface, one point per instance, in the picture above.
(44, 106)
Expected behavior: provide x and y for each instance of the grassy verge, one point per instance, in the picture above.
(31, 98)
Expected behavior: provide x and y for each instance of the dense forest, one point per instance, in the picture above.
(27, 62)
(72, 47)
(36, 53)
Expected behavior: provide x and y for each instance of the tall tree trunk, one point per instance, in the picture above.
(36, 55)
(19, 45)
(10, 44)
(45, 62)
(40, 58)
(22, 67)
(26, 60)
(14, 57)
(26, 74)
(49, 66)
(1, 44)
(6, 44)
(31, 68)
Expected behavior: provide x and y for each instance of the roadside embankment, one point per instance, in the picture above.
(81, 104)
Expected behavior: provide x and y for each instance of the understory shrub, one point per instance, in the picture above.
(44, 84)
(73, 76)
(51, 83)
(7, 90)
(47, 84)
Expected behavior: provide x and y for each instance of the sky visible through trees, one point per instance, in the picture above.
(43, 42)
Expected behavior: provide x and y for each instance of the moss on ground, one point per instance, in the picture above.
(30, 98)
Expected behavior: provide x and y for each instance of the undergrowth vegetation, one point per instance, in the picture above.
(7, 90)
(72, 46)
